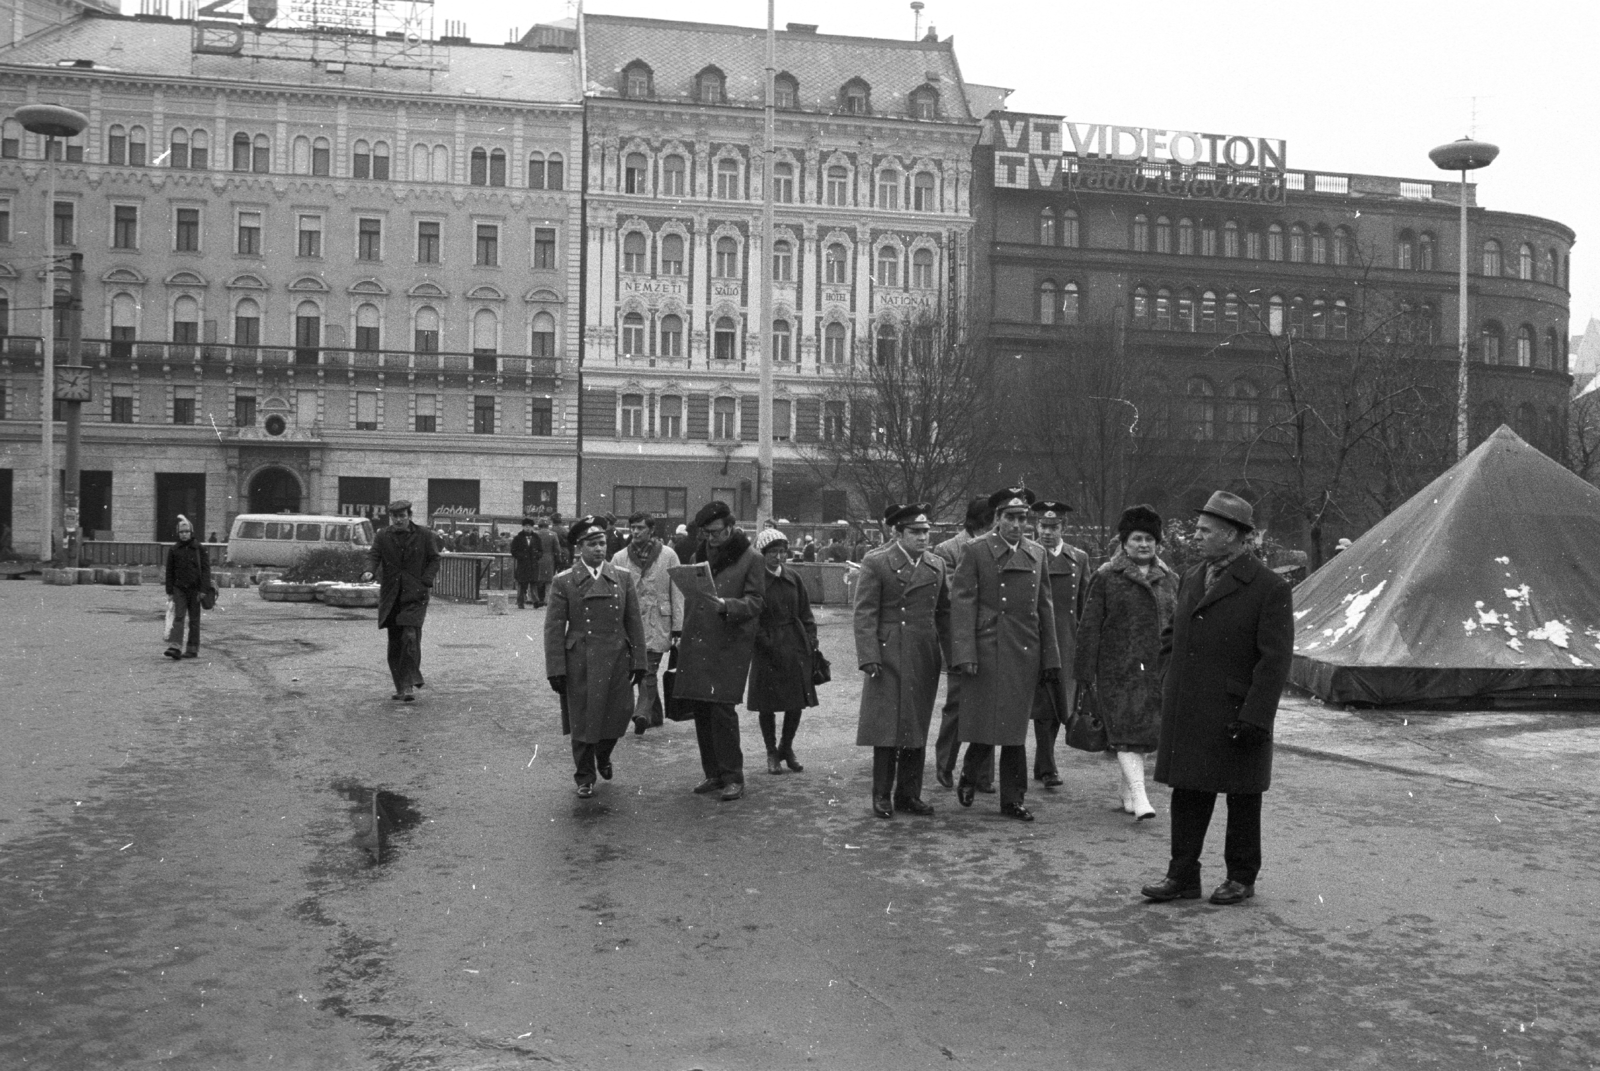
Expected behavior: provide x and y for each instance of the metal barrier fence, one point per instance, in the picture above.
(129, 552)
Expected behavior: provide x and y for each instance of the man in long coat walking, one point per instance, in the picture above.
(551, 562)
(525, 551)
(1068, 569)
(1003, 639)
(594, 652)
(902, 625)
(979, 517)
(648, 560)
(405, 559)
(1227, 654)
(719, 639)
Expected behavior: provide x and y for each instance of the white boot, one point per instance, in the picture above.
(1122, 783)
(1132, 763)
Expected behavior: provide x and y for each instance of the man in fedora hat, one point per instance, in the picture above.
(405, 560)
(525, 551)
(1227, 654)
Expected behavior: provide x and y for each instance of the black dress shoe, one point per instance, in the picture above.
(639, 726)
(733, 790)
(1017, 811)
(914, 806)
(708, 786)
(774, 764)
(1231, 892)
(419, 682)
(945, 780)
(605, 770)
(191, 654)
(173, 653)
(881, 808)
(964, 793)
(987, 789)
(585, 791)
(1051, 780)
(1170, 889)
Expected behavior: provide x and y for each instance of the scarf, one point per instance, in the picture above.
(644, 556)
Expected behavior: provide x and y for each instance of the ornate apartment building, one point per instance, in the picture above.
(872, 181)
(321, 270)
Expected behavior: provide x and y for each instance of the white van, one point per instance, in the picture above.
(284, 538)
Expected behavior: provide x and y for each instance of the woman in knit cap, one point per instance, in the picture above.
(1131, 599)
(780, 673)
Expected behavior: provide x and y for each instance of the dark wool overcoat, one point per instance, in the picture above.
(526, 548)
(550, 557)
(188, 567)
(405, 564)
(715, 650)
(1228, 651)
(594, 637)
(1069, 582)
(1119, 648)
(786, 634)
(902, 622)
(1002, 617)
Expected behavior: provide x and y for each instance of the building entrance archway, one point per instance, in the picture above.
(274, 490)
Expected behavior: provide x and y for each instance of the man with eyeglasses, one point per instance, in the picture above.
(718, 642)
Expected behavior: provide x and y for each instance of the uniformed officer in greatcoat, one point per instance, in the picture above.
(1003, 640)
(1068, 569)
(594, 651)
(902, 625)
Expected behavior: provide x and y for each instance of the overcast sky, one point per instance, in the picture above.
(1365, 86)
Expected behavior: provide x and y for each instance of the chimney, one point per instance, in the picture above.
(801, 27)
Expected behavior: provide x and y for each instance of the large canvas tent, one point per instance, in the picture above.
(1481, 590)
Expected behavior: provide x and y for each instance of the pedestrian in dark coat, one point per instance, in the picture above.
(188, 579)
(1129, 605)
(780, 670)
(525, 551)
(1228, 653)
(718, 642)
(405, 559)
(1068, 569)
(979, 517)
(594, 652)
(1003, 637)
(902, 626)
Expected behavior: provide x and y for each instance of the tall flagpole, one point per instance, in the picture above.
(764, 433)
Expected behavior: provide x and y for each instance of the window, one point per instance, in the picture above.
(541, 416)
(199, 156)
(1339, 327)
(673, 171)
(922, 269)
(1164, 309)
(633, 335)
(635, 173)
(1163, 234)
(672, 254)
(1230, 312)
(672, 336)
(483, 414)
(478, 167)
(1200, 409)
(922, 192)
(1319, 246)
(260, 154)
(1525, 261)
(1208, 311)
(117, 145)
(1275, 242)
(782, 419)
(782, 261)
(543, 341)
(722, 426)
(10, 139)
(636, 81)
(370, 161)
(1069, 303)
(1141, 233)
(497, 167)
(1297, 244)
(65, 220)
(122, 405)
(1549, 357)
(1244, 411)
(728, 179)
(633, 415)
(670, 416)
(889, 190)
(833, 344)
(709, 87)
(555, 172)
(320, 157)
(1425, 246)
(310, 243)
(785, 92)
(1047, 302)
(924, 103)
(427, 241)
(307, 333)
(488, 245)
(1252, 243)
(1186, 311)
(1297, 316)
(369, 239)
(544, 248)
(724, 342)
(1070, 236)
(1405, 251)
(1230, 238)
(1319, 318)
(136, 147)
(781, 350)
(1047, 226)
(367, 328)
(427, 413)
(247, 323)
(244, 410)
(1343, 243)
(832, 421)
(1525, 347)
(430, 164)
(183, 405)
(186, 233)
(888, 266)
(855, 97)
(1186, 237)
(248, 234)
(124, 227)
(485, 340)
(837, 189)
(1141, 305)
(425, 331)
(1275, 315)
(366, 410)
(727, 265)
(783, 183)
(633, 253)
(536, 173)
(1491, 258)
(886, 344)
(1208, 238)
(836, 264)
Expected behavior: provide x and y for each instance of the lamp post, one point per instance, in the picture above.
(1463, 156)
(51, 121)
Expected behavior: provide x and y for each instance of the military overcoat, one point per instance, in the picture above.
(593, 636)
(902, 622)
(1069, 583)
(1002, 617)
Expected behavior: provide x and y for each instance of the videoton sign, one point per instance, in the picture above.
(1044, 152)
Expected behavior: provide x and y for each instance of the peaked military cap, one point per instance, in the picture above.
(1051, 511)
(1011, 498)
(907, 514)
(583, 526)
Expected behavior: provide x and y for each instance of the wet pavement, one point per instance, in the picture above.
(256, 859)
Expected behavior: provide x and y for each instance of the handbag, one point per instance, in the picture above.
(675, 709)
(821, 671)
(208, 598)
(1085, 731)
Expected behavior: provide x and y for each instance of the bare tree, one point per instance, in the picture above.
(1583, 435)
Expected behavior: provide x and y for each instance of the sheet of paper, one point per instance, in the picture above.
(694, 579)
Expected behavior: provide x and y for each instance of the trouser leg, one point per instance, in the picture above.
(769, 730)
(725, 740)
(1013, 773)
(523, 587)
(704, 738)
(193, 599)
(908, 773)
(1191, 814)
(416, 655)
(585, 758)
(402, 679)
(647, 705)
(1242, 848)
(973, 762)
(602, 751)
(883, 771)
(948, 743)
(791, 725)
(1044, 747)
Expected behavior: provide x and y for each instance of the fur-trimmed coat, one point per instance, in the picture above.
(1119, 648)
(716, 647)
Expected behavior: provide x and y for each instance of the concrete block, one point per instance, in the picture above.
(58, 577)
(85, 576)
(127, 577)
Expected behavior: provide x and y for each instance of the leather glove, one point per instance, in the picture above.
(638, 675)
(1247, 734)
(1051, 675)
(559, 684)
(872, 669)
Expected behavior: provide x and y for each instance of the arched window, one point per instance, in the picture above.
(1141, 233)
(186, 320)
(783, 261)
(837, 188)
(1244, 410)
(1047, 302)
(1047, 226)
(1405, 251)
(1492, 262)
(785, 92)
(889, 190)
(1200, 409)
(1208, 237)
(117, 144)
(1275, 242)
(367, 328)
(781, 350)
(722, 411)
(922, 269)
(836, 264)
(888, 266)
(1525, 347)
(674, 172)
(1275, 315)
(1141, 305)
(321, 156)
(307, 333)
(783, 183)
(708, 87)
(1230, 312)
(1339, 327)
(485, 332)
(300, 155)
(536, 171)
(542, 341)
(886, 344)
(1186, 237)
(1164, 309)
(672, 254)
(922, 192)
(633, 335)
(1549, 356)
(728, 179)
(1163, 234)
(1070, 236)
(246, 321)
(1319, 318)
(671, 336)
(1343, 243)
(555, 172)
(727, 262)
(1490, 337)
(924, 103)
(478, 173)
(855, 97)
(1297, 316)
(636, 173)
(178, 148)
(1230, 238)
(833, 344)
(1525, 261)
(497, 167)
(1208, 311)
(1425, 247)
(724, 347)
(633, 253)
(1297, 244)
(425, 330)
(1069, 303)
(1487, 420)
(241, 151)
(636, 81)
(1186, 311)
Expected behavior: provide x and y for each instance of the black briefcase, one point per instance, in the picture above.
(675, 709)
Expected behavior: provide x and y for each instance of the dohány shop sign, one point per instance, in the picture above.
(1045, 152)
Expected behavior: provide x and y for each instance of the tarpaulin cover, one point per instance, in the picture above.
(1483, 589)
